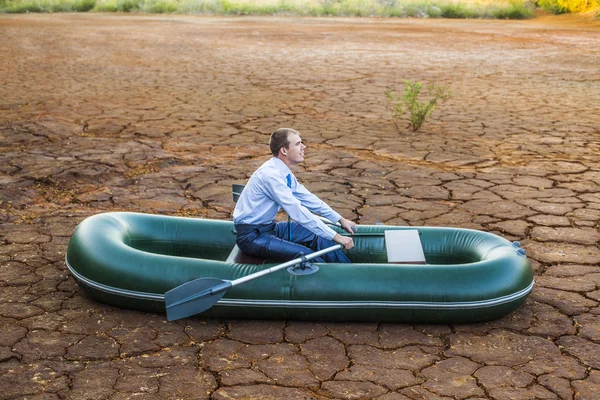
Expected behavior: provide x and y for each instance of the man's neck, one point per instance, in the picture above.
(287, 162)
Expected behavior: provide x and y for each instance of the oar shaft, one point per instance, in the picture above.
(285, 265)
(226, 285)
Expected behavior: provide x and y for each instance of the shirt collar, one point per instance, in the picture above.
(282, 167)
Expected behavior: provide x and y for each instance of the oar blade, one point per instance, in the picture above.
(176, 300)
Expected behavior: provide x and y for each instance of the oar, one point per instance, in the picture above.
(201, 294)
(328, 222)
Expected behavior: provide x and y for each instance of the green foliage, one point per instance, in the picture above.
(84, 5)
(117, 6)
(160, 7)
(515, 10)
(127, 5)
(456, 10)
(383, 8)
(38, 6)
(409, 102)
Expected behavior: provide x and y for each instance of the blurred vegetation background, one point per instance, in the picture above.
(498, 9)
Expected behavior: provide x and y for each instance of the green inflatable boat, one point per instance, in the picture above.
(131, 260)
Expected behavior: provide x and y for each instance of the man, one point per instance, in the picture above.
(273, 186)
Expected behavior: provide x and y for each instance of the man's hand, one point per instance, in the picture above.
(345, 241)
(348, 225)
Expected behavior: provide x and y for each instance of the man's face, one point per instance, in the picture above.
(295, 150)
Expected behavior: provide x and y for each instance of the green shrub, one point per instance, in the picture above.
(456, 10)
(84, 5)
(409, 102)
(117, 6)
(22, 7)
(515, 10)
(106, 6)
(385, 8)
(161, 7)
(37, 6)
(127, 5)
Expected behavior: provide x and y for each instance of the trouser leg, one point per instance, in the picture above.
(271, 243)
(303, 236)
(271, 247)
(267, 244)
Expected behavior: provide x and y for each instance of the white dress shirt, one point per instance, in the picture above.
(267, 192)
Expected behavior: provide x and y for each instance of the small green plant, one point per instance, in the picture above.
(418, 111)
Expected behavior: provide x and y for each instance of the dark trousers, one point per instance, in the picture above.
(270, 242)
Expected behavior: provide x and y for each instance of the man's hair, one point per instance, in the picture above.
(279, 139)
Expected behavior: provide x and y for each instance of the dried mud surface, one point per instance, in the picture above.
(161, 114)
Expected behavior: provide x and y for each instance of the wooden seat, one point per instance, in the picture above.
(237, 257)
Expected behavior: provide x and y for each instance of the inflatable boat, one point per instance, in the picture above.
(131, 260)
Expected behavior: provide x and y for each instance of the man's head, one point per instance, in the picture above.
(287, 145)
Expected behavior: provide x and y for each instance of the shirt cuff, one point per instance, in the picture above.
(330, 233)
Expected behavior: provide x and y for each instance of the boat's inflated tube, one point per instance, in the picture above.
(131, 260)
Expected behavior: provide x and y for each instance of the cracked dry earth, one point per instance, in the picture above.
(161, 114)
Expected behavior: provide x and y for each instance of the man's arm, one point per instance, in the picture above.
(318, 206)
(277, 189)
(315, 204)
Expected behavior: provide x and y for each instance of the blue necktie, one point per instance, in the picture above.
(289, 183)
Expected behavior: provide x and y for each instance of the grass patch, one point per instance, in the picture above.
(457, 10)
(513, 9)
(117, 6)
(510, 10)
(11, 6)
(161, 7)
